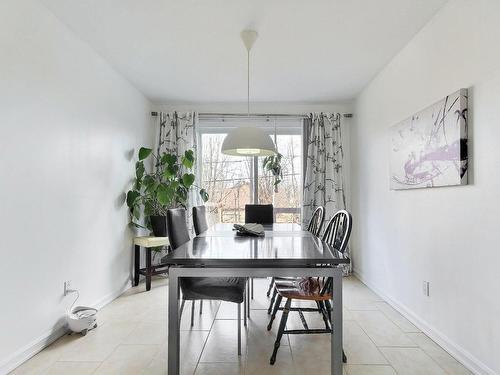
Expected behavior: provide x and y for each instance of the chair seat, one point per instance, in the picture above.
(230, 289)
(295, 289)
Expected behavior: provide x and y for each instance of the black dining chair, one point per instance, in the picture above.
(229, 289)
(315, 225)
(259, 213)
(200, 225)
(199, 219)
(319, 290)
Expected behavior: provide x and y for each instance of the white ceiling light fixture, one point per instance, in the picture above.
(246, 140)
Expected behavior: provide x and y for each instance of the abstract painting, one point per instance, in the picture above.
(429, 149)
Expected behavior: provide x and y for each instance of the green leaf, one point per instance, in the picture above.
(139, 169)
(148, 208)
(189, 154)
(144, 153)
(152, 188)
(204, 195)
(138, 184)
(164, 194)
(188, 179)
(187, 163)
(181, 194)
(148, 181)
(169, 159)
(171, 171)
(188, 159)
(136, 212)
(132, 196)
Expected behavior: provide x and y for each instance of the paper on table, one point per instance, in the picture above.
(251, 229)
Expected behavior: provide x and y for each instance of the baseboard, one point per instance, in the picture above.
(99, 304)
(37, 345)
(459, 353)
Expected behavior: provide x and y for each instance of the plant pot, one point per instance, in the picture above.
(159, 225)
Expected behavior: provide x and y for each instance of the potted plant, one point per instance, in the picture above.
(166, 187)
(273, 164)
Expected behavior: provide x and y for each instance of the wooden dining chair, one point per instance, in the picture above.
(317, 220)
(230, 289)
(315, 225)
(319, 290)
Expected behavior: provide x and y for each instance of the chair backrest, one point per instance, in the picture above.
(178, 233)
(259, 213)
(337, 233)
(338, 230)
(199, 219)
(317, 220)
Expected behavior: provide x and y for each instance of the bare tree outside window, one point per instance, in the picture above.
(228, 181)
(287, 200)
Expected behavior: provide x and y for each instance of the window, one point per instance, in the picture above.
(285, 197)
(232, 182)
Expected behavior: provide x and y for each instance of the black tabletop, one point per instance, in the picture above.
(283, 245)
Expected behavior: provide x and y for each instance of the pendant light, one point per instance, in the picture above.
(246, 140)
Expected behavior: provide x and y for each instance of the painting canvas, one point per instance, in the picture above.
(429, 149)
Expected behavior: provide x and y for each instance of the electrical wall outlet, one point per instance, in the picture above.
(67, 287)
(426, 288)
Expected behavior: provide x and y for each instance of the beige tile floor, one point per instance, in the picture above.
(132, 339)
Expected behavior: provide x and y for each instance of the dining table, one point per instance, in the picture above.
(285, 250)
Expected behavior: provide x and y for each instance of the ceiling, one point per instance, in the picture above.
(190, 50)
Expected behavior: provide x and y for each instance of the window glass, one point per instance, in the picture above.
(286, 196)
(229, 179)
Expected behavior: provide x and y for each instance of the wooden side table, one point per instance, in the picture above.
(148, 242)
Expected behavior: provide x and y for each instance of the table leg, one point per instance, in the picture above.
(251, 286)
(137, 264)
(248, 297)
(148, 268)
(173, 322)
(336, 336)
(245, 308)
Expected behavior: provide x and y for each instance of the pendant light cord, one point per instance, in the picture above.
(248, 82)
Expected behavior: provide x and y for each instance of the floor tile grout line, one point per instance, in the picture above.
(404, 333)
(388, 317)
(206, 340)
(108, 356)
(371, 365)
(423, 351)
(439, 347)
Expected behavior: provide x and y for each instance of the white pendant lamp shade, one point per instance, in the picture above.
(246, 141)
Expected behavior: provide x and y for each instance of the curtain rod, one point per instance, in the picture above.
(254, 115)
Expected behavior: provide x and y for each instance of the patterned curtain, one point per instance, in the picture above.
(324, 160)
(177, 133)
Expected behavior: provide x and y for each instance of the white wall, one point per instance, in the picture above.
(69, 124)
(448, 236)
